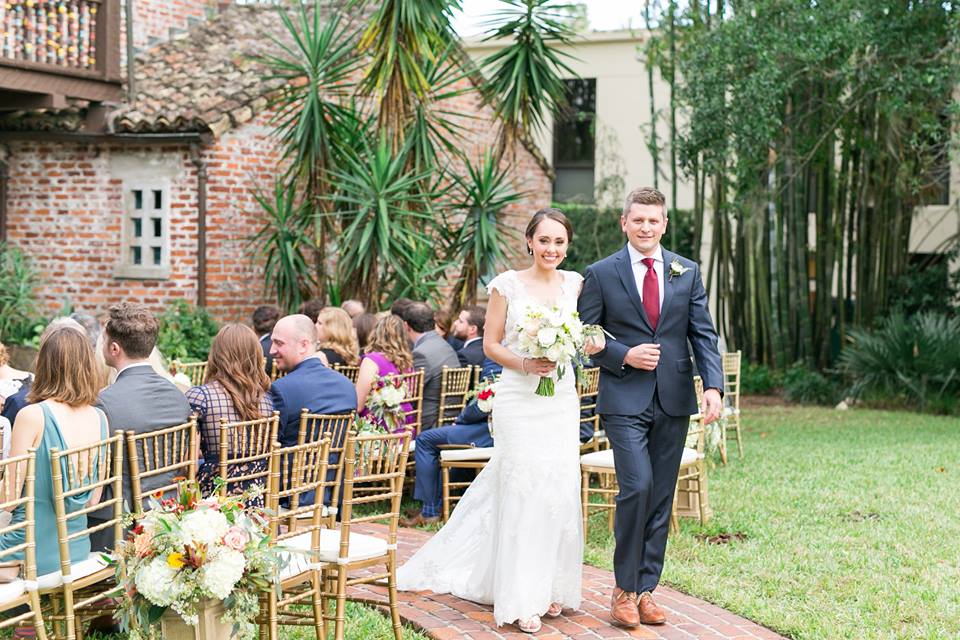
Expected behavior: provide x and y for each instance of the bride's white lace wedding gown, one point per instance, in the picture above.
(515, 539)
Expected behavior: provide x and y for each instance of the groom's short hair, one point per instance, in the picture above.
(646, 195)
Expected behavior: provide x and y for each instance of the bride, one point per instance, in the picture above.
(516, 540)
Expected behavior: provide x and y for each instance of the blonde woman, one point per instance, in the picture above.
(337, 337)
(387, 353)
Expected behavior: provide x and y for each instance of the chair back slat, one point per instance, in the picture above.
(87, 469)
(196, 371)
(731, 378)
(378, 462)
(17, 476)
(351, 371)
(246, 444)
(588, 386)
(156, 453)
(455, 384)
(275, 372)
(294, 471)
(413, 396)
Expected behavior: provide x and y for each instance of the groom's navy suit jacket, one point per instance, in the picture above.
(610, 298)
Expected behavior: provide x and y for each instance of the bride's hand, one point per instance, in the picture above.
(539, 366)
(594, 344)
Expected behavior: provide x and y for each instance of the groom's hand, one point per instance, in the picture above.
(711, 405)
(643, 356)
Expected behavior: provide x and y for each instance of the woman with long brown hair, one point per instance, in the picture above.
(387, 353)
(234, 389)
(61, 415)
(336, 336)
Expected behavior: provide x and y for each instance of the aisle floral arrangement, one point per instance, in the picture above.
(384, 406)
(190, 549)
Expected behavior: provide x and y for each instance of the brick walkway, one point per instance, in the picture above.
(445, 617)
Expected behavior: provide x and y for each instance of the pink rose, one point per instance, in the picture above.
(236, 538)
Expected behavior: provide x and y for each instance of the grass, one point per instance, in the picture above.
(851, 521)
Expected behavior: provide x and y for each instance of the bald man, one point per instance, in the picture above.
(309, 383)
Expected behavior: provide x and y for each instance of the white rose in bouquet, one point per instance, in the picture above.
(392, 396)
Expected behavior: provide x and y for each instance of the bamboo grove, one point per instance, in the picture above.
(811, 133)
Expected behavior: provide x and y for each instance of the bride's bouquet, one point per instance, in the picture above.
(548, 332)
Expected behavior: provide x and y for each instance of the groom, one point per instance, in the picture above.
(651, 302)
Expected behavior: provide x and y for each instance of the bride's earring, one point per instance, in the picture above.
(529, 251)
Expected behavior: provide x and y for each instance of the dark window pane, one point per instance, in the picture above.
(157, 227)
(135, 256)
(574, 129)
(137, 227)
(156, 255)
(573, 185)
(137, 199)
(157, 199)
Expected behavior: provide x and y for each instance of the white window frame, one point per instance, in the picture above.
(147, 269)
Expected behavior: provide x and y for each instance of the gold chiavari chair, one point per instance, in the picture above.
(335, 428)
(462, 457)
(598, 464)
(161, 454)
(80, 474)
(587, 389)
(731, 384)
(245, 452)
(377, 460)
(413, 396)
(295, 471)
(196, 371)
(275, 372)
(351, 371)
(455, 384)
(691, 497)
(17, 481)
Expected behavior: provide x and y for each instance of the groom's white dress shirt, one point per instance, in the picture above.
(640, 269)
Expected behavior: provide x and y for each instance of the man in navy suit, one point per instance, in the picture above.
(469, 327)
(652, 302)
(309, 383)
(470, 427)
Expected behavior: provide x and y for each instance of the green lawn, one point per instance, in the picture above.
(851, 520)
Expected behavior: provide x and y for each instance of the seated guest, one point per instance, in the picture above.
(363, 324)
(264, 318)
(337, 337)
(353, 308)
(470, 427)
(443, 325)
(430, 353)
(61, 416)
(309, 384)
(141, 400)
(387, 354)
(311, 309)
(400, 306)
(235, 389)
(469, 327)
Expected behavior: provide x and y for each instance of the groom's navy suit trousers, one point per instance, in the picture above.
(646, 413)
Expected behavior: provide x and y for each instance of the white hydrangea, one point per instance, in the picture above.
(219, 575)
(157, 582)
(203, 526)
(392, 396)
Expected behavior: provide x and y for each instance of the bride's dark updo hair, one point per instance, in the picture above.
(552, 214)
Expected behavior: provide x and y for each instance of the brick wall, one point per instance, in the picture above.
(155, 21)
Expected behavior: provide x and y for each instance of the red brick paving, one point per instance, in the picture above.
(445, 617)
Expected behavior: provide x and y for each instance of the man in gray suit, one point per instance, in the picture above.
(140, 400)
(653, 303)
(430, 353)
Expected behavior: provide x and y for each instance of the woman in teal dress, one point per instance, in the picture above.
(61, 415)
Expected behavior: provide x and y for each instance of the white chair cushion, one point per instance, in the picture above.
(362, 547)
(598, 458)
(466, 455)
(12, 590)
(297, 561)
(78, 570)
(690, 456)
(413, 445)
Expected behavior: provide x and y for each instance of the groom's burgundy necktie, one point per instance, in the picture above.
(651, 294)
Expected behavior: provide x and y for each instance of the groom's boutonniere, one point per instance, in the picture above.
(676, 269)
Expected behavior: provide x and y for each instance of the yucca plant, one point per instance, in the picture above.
(525, 78)
(479, 245)
(916, 359)
(284, 242)
(386, 216)
(314, 65)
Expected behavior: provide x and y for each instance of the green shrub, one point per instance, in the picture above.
(19, 280)
(759, 379)
(806, 386)
(186, 332)
(915, 361)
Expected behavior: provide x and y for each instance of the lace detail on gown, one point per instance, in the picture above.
(515, 540)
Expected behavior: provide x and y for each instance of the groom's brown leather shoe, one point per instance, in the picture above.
(650, 613)
(418, 520)
(624, 609)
